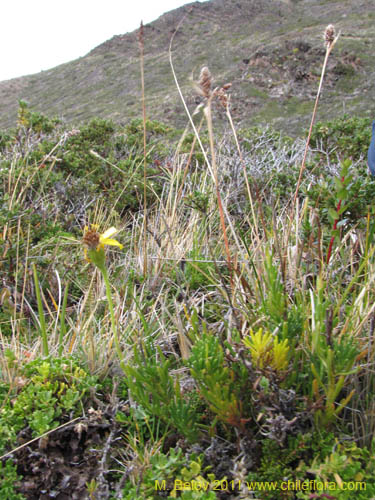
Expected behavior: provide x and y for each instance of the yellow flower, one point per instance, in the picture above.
(94, 240)
(94, 243)
(105, 238)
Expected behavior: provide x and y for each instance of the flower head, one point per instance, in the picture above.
(205, 82)
(330, 37)
(329, 34)
(95, 242)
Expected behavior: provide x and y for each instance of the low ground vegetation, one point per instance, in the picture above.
(228, 354)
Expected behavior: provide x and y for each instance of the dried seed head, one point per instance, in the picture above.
(141, 35)
(91, 239)
(329, 35)
(205, 82)
(222, 95)
(73, 132)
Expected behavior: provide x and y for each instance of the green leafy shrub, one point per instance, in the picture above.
(77, 159)
(289, 463)
(169, 474)
(33, 121)
(153, 387)
(48, 389)
(5, 140)
(221, 384)
(345, 473)
(189, 141)
(348, 136)
(355, 189)
(134, 129)
(113, 161)
(8, 482)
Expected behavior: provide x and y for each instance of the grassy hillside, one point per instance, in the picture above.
(270, 50)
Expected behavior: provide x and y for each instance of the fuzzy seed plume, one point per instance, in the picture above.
(329, 35)
(205, 82)
(222, 96)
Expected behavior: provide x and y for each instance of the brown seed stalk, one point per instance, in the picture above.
(205, 82)
(329, 35)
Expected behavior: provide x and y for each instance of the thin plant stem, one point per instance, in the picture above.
(104, 272)
(208, 115)
(334, 229)
(229, 116)
(62, 319)
(330, 43)
(42, 322)
(141, 49)
(303, 165)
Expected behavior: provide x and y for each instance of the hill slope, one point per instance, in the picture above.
(271, 50)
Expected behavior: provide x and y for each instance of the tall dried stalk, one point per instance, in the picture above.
(205, 88)
(229, 116)
(330, 39)
(205, 80)
(141, 49)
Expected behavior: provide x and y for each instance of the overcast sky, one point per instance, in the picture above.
(37, 35)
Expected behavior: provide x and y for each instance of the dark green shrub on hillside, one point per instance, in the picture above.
(158, 139)
(356, 192)
(113, 161)
(345, 137)
(5, 140)
(153, 129)
(188, 142)
(34, 121)
(97, 135)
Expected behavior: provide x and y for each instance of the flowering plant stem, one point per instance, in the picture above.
(94, 252)
(62, 320)
(208, 115)
(104, 272)
(42, 322)
(330, 43)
